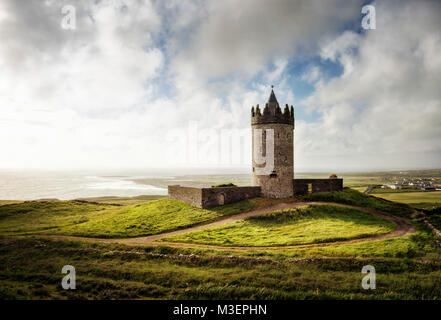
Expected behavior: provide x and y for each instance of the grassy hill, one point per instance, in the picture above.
(126, 272)
(153, 217)
(30, 268)
(107, 220)
(46, 216)
(355, 198)
(310, 224)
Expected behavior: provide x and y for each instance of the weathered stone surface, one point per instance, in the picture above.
(192, 196)
(300, 186)
(210, 197)
(278, 183)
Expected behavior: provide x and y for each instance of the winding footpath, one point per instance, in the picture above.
(403, 228)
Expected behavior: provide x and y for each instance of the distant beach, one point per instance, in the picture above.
(33, 185)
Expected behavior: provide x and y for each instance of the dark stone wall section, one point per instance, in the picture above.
(218, 196)
(193, 196)
(301, 186)
(211, 197)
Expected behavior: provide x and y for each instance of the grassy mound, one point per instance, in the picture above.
(355, 198)
(224, 185)
(154, 217)
(42, 216)
(312, 224)
(109, 221)
(6, 202)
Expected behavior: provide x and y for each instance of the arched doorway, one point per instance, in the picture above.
(221, 199)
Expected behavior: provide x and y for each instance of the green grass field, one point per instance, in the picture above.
(355, 198)
(419, 200)
(311, 224)
(47, 216)
(122, 272)
(5, 202)
(412, 197)
(30, 267)
(360, 189)
(109, 221)
(154, 217)
(381, 190)
(122, 200)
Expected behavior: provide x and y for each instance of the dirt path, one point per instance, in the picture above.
(403, 228)
(369, 189)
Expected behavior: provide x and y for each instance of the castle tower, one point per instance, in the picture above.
(273, 148)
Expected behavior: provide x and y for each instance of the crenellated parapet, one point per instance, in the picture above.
(272, 115)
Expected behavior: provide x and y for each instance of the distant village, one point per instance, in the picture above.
(427, 184)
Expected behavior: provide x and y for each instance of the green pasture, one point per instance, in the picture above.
(304, 225)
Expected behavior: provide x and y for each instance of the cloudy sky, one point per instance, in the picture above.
(155, 83)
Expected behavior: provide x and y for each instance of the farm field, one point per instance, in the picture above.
(419, 200)
(412, 197)
(359, 189)
(381, 190)
(364, 179)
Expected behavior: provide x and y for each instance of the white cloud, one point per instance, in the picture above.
(67, 95)
(243, 38)
(386, 105)
(108, 93)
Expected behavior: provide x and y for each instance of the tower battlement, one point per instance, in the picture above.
(272, 113)
(272, 116)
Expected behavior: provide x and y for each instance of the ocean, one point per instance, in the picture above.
(28, 185)
(66, 185)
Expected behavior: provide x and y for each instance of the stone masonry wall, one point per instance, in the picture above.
(217, 196)
(210, 197)
(278, 183)
(300, 186)
(192, 196)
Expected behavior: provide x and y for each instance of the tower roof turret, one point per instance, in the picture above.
(272, 102)
(272, 113)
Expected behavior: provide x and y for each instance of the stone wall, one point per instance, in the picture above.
(218, 196)
(192, 196)
(301, 186)
(210, 197)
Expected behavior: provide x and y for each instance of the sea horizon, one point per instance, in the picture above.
(28, 185)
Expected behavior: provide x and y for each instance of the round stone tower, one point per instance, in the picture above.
(273, 148)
